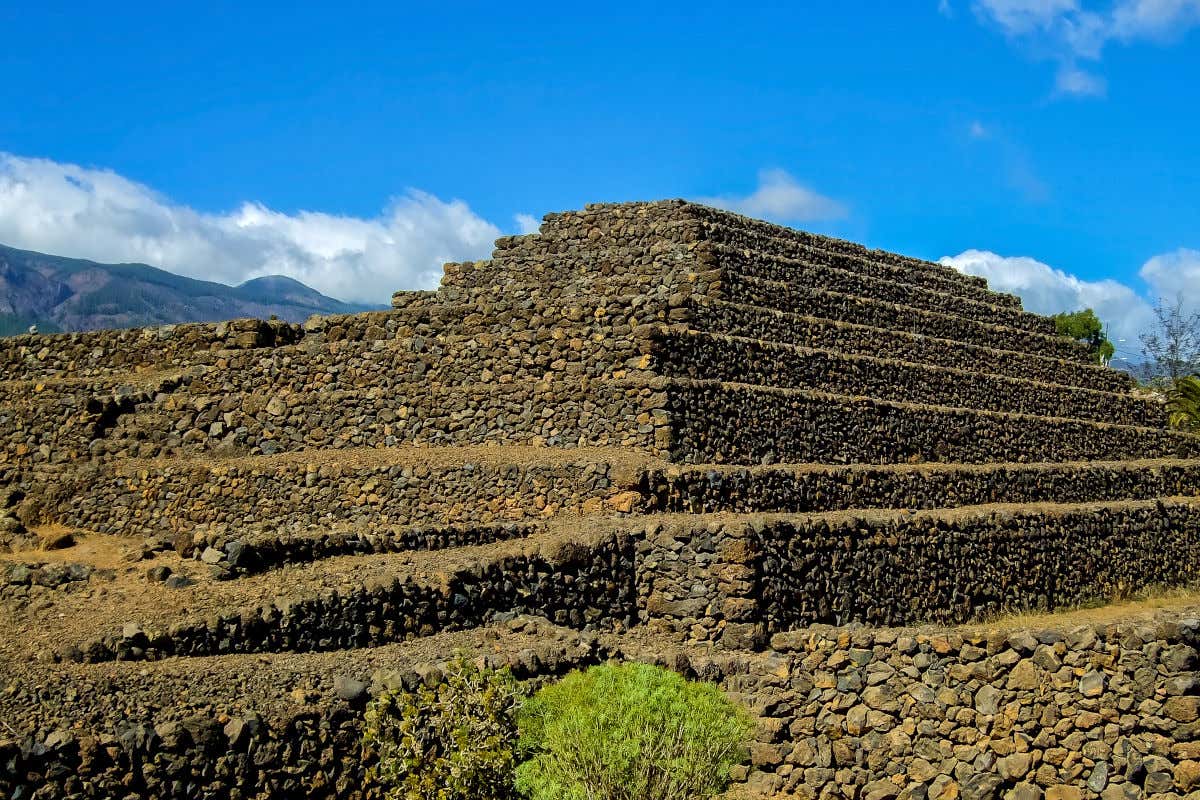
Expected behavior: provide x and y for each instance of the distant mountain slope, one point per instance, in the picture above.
(70, 294)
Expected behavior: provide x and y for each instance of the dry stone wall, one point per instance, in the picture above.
(502, 362)
(380, 383)
(629, 221)
(801, 426)
(565, 343)
(1079, 712)
(63, 422)
(702, 583)
(751, 361)
(95, 353)
(1092, 710)
(749, 579)
(508, 349)
(585, 584)
(892, 316)
(237, 739)
(154, 499)
(647, 250)
(805, 331)
(876, 281)
(900, 569)
(746, 490)
(674, 331)
(744, 233)
(238, 552)
(555, 414)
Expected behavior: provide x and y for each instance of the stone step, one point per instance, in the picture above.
(686, 233)
(114, 357)
(102, 353)
(574, 232)
(714, 422)
(464, 352)
(669, 223)
(807, 488)
(943, 566)
(581, 579)
(387, 412)
(701, 355)
(137, 354)
(505, 313)
(95, 698)
(883, 284)
(625, 271)
(347, 490)
(232, 554)
(953, 566)
(54, 420)
(754, 322)
(564, 268)
(860, 310)
(720, 576)
(745, 233)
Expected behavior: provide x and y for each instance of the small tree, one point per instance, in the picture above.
(453, 741)
(1084, 326)
(1183, 401)
(1171, 349)
(626, 732)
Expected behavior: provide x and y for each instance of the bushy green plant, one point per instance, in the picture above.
(455, 740)
(1183, 403)
(629, 732)
(1086, 327)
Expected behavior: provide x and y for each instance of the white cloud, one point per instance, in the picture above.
(1046, 290)
(1173, 274)
(978, 130)
(1074, 81)
(527, 223)
(1160, 20)
(1021, 17)
(1068, 32)
(97, 214)
(781, 198)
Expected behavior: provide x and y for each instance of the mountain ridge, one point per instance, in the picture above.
(58, 293)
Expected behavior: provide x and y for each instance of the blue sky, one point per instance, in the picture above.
(330, 142)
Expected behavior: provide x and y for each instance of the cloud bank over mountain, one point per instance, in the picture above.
(97, 214)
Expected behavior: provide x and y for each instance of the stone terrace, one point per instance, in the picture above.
(665, 432)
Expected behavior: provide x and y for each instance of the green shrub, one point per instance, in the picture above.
(629, 732)
(454, 741)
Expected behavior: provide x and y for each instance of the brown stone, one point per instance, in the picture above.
(1024, 676)
(1187, 775)
(1014, 767)
(1182, 709)
(1064, 792)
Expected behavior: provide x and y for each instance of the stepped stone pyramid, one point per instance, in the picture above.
(658, 421)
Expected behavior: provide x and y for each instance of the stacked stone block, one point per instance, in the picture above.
(662, 418)
(668, 329)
